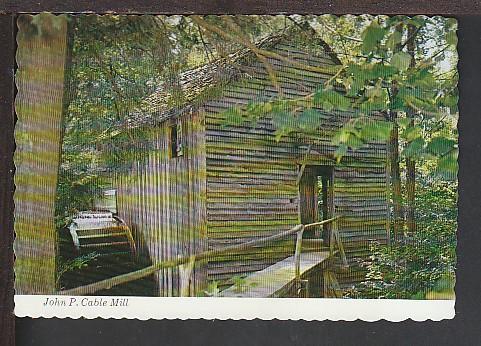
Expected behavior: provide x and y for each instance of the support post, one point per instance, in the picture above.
(297, 258)
(185, 273)
(337, 239)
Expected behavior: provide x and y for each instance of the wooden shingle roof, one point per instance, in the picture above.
(194, 86)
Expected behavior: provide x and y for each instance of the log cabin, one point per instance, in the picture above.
(196, 181)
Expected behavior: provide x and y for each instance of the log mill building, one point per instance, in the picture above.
(203, 183)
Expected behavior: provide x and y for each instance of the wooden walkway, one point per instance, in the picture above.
(277, 278)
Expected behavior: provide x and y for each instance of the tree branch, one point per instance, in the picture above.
(345, 37)
(266, 53)
(411, 37)
(206, 48)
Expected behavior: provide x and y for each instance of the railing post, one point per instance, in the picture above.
(335, 237)
(297, 258)
(332, 232)
(185, 271)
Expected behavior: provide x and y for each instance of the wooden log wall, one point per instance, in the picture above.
(41, 56)
(252, 186)
(163, 199)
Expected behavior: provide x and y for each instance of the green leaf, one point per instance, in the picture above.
(397, 104)
(417, 21)
(284, 124)
(327, 106)
(341, 136)
(447, 166)
(233, 116)
(354, 142)
(403, 122)
(376, 130)
(401, 61)
(371, 37)
(452, 38)
(374, 104)
(382, 71)
(420, 99)
(414, 149)
(330, 100)
(364, 72)
(339, 101)
(282, 120)
(411, 133)
(394, 40)
(317, 99)
(356, 72)
(355, 87)
(341, 150)
(422, 78)
(440, 145)
(423, 105)
(451, 23)
(309, 119)
(450, 101)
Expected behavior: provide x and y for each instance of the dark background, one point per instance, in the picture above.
(464, 329)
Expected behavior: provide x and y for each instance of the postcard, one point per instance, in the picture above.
(236, 167)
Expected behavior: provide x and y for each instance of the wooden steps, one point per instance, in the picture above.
(100, 245)
(101, 232)
(277, 278)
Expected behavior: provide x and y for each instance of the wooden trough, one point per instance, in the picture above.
(101, 232)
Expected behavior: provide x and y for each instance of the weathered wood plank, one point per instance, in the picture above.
(165, 200)
(273, 279)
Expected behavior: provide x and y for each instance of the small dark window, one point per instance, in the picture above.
(176, 143)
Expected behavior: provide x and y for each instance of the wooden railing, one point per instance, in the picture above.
(334, 239)
(187, 262)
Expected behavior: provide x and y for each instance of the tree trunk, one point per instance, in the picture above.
(410, 194)
(393, 163)
(410, 163)
(394, 170)
(41, 59)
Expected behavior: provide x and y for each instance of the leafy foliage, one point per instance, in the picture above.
(212, 289)
(424, 264)
(379, 81)
(75, 264)
(382, 89)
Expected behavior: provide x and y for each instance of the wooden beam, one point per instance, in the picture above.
(303, 166)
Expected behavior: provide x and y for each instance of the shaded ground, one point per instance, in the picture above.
(88, 268)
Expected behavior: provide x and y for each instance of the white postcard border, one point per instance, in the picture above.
(309, 309)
